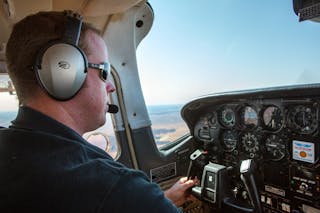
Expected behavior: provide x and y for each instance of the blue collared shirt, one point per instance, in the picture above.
(47, 167)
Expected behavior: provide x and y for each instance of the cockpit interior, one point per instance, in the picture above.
(253, 150)
(256, 151)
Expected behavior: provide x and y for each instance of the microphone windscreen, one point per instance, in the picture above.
(113, 108)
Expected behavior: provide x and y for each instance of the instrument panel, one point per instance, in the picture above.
(279, 132)
(257, 129)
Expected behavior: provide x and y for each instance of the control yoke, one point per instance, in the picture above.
(246, 170)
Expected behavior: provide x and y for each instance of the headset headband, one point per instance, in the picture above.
(72, 27)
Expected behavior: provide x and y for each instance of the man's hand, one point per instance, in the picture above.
(178, 193)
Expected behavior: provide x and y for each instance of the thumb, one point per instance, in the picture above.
(188, 184)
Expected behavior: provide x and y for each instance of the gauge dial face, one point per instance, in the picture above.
(304, 119)
(229, 140)
(275, 147)
(250, 142)
(206, 127)
(249, 117)
(272, 118)
(228, 117)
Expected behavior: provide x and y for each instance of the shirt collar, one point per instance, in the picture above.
(31, 119)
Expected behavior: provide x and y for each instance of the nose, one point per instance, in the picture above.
(110, 87)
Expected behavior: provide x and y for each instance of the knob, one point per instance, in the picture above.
(235, 192)
(303, 187)
(245, 195)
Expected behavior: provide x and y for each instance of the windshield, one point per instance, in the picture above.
(196, 48)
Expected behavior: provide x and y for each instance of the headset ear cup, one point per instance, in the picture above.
(62, 70)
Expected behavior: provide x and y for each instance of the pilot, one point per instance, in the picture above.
(60, 70)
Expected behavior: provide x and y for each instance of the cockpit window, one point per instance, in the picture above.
(167, 124)
(104, 138)
(9, 101)
(195, 49)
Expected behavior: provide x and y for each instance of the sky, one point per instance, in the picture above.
(196, 48)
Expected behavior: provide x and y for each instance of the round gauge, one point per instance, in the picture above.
(275, 148)
(228, 117)
(303, 119)
(250, 142)
(272, 118)
(249, 117)
(229, 140)
(206, 127)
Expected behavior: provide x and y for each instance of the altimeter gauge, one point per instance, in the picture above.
(272, 118)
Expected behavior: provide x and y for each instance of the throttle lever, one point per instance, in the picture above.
(246, 170)
(198, 160)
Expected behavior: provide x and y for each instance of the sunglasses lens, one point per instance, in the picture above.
(104, 69)
(104, 75)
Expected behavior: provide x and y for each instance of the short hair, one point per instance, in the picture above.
(30, 35)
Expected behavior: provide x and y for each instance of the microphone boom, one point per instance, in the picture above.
(112, 108)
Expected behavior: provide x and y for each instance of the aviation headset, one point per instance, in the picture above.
(61, 66)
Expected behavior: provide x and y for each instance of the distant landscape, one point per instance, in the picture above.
(167, 126)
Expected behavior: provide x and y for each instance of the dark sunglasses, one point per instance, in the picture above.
(104, 68)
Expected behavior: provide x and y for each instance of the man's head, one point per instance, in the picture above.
(39, 37)
(31, 35)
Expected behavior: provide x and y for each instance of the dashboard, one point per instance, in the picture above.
(277, 129)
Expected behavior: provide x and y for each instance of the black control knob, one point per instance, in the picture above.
(304, 187)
